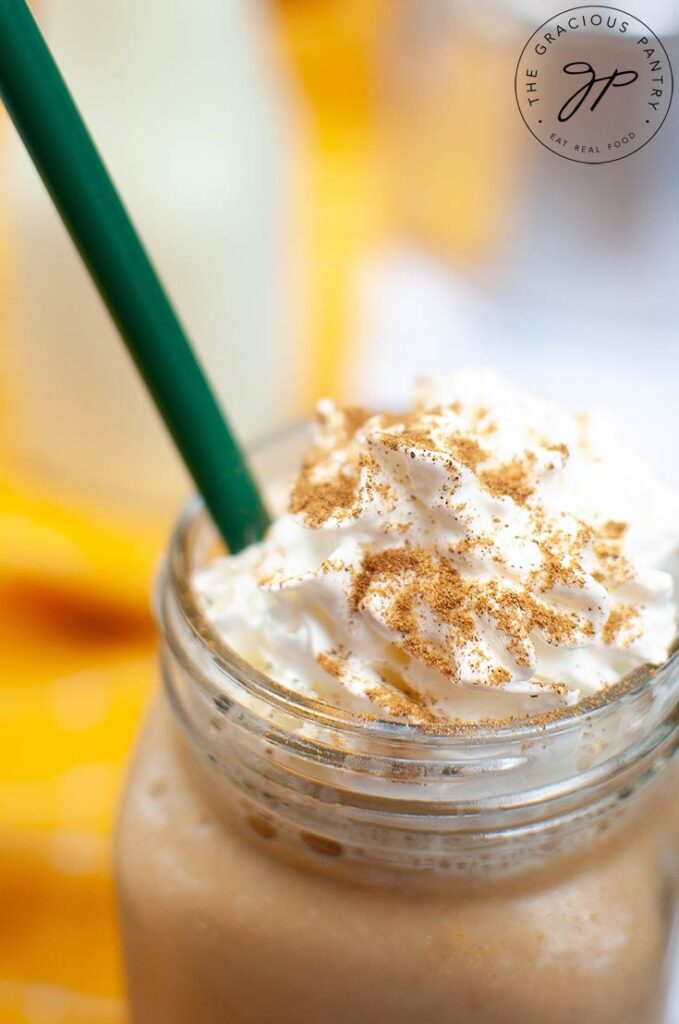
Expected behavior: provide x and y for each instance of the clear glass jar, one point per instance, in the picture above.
(281, 861)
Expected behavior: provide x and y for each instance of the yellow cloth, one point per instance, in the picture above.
(76, 665)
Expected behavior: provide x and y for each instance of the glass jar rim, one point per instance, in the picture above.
(176, 576)
(528, 777)
(540, 775)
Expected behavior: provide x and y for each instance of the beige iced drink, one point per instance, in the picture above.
(348, 837)
(226, 922)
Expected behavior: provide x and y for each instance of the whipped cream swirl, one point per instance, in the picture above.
(486, 553)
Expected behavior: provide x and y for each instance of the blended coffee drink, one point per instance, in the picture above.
(413, 757)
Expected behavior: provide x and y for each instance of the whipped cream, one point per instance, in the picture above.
(486, 553)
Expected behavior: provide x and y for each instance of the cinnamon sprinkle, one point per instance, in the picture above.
(404, 580)
(403, 705)
(613, 569)
(330, 664)
(511, 480)
(467, 450)
(317, 501)
(438, 616)
(613, 529)
(623, 625)
(556, 447)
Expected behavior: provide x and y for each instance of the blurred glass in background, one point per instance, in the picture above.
(197, 130)
(340, 195)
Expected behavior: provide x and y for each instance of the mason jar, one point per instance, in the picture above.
(281, 860)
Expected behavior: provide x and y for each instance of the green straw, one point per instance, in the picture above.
(54, 134)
